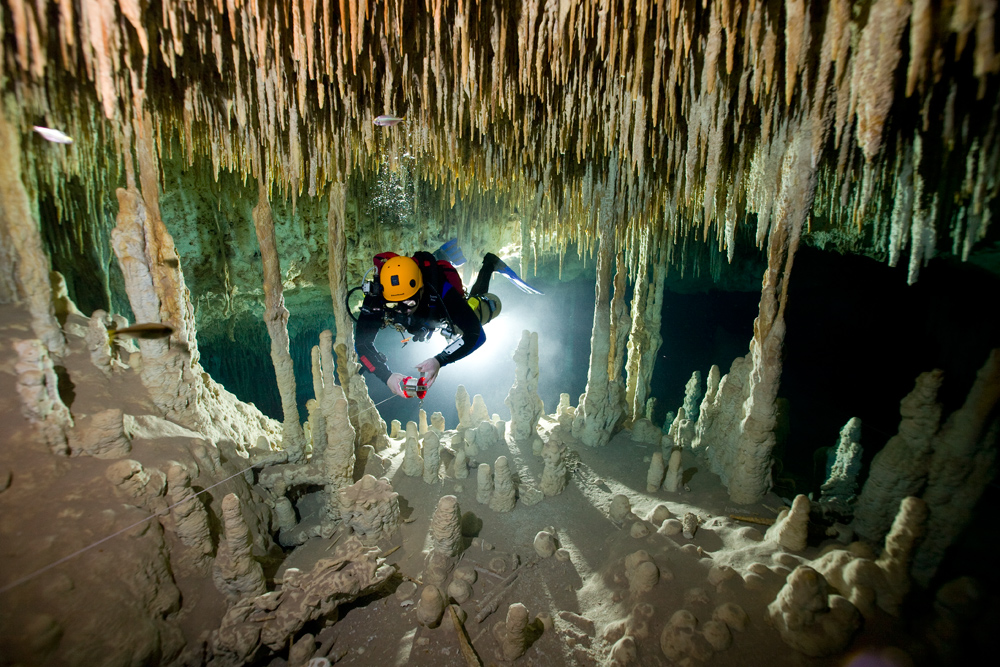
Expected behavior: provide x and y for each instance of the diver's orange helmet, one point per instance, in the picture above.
(400, 278)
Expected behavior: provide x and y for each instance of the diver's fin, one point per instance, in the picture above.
(450, 252)
(509, 274)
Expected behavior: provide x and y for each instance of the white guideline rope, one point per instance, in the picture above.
(32, 575)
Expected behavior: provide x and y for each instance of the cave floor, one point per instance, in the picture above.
(587, 594)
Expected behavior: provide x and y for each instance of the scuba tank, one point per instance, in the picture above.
(486, 306)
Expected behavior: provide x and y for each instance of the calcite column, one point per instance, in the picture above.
(751, 478)
(24, 266)
(276, 319)
(337, 249)
(644, 340)
(600, 409)
(525, 405)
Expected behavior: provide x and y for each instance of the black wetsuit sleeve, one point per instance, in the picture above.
(369, 323)
(465, 319)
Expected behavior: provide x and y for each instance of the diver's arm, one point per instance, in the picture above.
(465, 319)
(369, 323)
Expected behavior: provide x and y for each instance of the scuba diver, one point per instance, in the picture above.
(422, 294)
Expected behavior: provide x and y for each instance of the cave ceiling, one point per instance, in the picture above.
(696, 125)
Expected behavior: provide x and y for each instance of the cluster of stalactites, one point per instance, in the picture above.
(532, 101)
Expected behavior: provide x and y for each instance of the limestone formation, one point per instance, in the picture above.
(431, 448)
(709, 408)
(370, 508)
(680, 640)
(276, 319)
(732, 615)
(638, 530)
(690, 523)
(840, 489)
(273, 618)
(641, 572)
(480, 438)
(881, 582)
(791, 528)
(339, 459)
(101, 353)
(464, 407)
(317, 414)
(237, 573)
(395, 429)
(26, 277)
(659, 514)
(484, 484)
(446, 527)
(512, 634)
(188, 517)
(460, 466)
(809, 618)
(503, 497)
(478, 413)
(692, 396)
(565, 412)
(620, 509)
(545, 544)
(554, 472)
(961, 467)
(522, 400)
(900, 468)
(717, 635)
(672, 480)
(459, 590)
(38, 387)
(367, 422)
(413, 460)
(644, 431)
(102, 435)
(430, 608)
(437, 422)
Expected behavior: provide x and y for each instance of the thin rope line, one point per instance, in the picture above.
(162, 512)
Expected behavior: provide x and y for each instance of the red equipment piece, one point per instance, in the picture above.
(412, 386)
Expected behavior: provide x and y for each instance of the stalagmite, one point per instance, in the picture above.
(841, 485)
(523, 401)
(413, 460)
(339, 459)
(446, 527)
(478, 412)
(422, 422)
(38, 387)
(900, 468)
(317, 418)
(460, 466)
(672, 480)
(431, 457)
(811, 620)
(430, 607)
(961, 467)
(437, 422)
(554, 472)
(503, 497)
(370, 508)
(484, 484)
(511, 634)
(692, 396)
(791, 528)
(641, 572)
(26, 273)
(237, 573)
(188, 515)
(395, 429)
(464, 407)
(276, 319)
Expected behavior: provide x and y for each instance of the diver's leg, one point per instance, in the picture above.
(490, 264)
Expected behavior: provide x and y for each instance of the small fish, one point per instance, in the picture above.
(55, 136)
(388, 121)
(147, 331)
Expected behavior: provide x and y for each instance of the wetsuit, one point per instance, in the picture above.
(441, 304)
